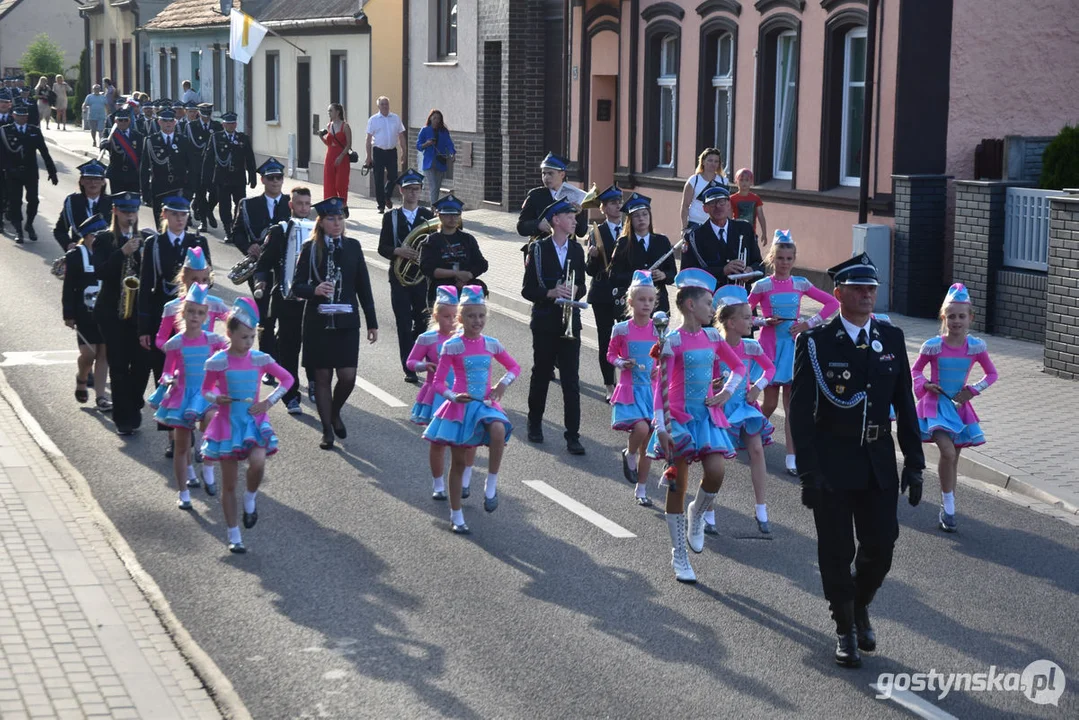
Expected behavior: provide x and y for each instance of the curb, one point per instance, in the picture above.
(219, 687)
(73, 151)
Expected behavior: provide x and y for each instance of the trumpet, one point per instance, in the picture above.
(568, 305)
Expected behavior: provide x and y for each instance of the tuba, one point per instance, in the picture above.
(408, 272)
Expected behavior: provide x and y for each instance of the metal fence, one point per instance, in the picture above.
(1026, 228)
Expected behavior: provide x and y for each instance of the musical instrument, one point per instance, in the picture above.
(332, 308)
(568, 304)
(300, 230)
(242, 271)
(59, 267)
(657, 263)
(661, 322)
(130, 286)
(407, 271)
(575, 195)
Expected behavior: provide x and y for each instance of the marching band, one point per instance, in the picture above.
(139, 301)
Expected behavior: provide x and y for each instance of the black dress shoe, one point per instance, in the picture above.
(574, 446)
(124, 430)
(138, 420)
(535, 435)
(212, 220)
(846, 650)
(867, 638)
(311, 393)
(18, 237)
(327, 442)
(30, 232)
(250, 519)
(339, 429)
(411, 377)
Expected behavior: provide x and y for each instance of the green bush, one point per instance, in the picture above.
(42, 57)
(1060, 161)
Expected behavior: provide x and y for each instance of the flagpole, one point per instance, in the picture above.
(271, 31)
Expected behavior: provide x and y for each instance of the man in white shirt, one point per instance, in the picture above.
(385, 133)
(189, 94)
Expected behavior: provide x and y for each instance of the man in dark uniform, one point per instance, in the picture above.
(641, 250)
(846, 376)
(24, 98)
(123, 146)
(530, 223)
(604, 295)
(231, 159)
(19, 144)
(550, 264)
(199, 134)
(6, 118)
(722, 246)
(146, 123)
(254, 216)
(409, 303)
(90, 200)
(164, 163)
(274, 276)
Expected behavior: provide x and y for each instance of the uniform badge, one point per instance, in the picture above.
(877, 347)
(840, 389)
(830, 374)
(846, 375)
(885, 358)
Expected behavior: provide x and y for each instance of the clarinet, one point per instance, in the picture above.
(333, 274)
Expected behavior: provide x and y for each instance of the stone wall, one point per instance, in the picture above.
(979, 244)
(1062, 289)
(1019, 304)
(918, 280)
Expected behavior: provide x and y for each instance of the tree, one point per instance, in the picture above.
(42, 57)
(1060, 161)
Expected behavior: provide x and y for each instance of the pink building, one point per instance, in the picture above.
(778, 86)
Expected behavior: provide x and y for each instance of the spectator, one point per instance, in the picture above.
(709, 173)
(94, 109)
(748, 205)
(384, 134)
(189, 95)
(44, 100)
(438, 152)
(110, 95)
(62, 90)
(336, 168)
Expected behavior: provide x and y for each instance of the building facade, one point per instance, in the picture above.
(23, 20)
(116, 48)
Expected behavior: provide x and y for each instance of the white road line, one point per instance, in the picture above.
(39, 357)
(372, 389)
(914, 703)
(608, 526)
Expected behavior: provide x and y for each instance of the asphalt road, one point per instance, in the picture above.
(356, 601)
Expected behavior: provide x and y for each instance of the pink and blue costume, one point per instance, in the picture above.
(632, 399)
(469, 359)
(217, 309)
(426, 350)
(757, 370)
(234, 432)
(950, 369)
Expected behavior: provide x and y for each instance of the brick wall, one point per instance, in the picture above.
(1019, 305)
(979, 243)
(918, 280)
(1062, 289)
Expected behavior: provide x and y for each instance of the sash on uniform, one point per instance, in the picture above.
(126, 147)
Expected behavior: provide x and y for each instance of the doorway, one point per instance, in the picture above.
(303, 113)
(601, 151)
(492, 122)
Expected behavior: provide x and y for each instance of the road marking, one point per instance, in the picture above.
(608, 526)
(915, 704)
(372, 389)
(40, 357)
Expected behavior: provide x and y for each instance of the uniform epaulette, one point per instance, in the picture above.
(260, 359)
(428, 338)
(975, 346)
(173, 343)
(218, 361)
(172, 307)
(713, 334)
(761, 287)
(620, 329)
(215, 339)
(492, 345)
(453, 346)
(801, 284)
(752, 348)
(932, 346)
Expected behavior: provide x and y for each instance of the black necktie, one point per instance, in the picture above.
(722, 232)
(273, 213)
(863, 340)
(618, 230)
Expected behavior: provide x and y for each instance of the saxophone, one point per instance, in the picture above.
(129, 286)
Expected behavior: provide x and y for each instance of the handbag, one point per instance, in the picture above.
(353, 157)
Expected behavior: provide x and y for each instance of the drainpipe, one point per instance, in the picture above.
(407, 52)
(867, 119)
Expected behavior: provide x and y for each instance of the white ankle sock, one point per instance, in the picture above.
(457, 517)
(234, 535)
(249, 501)
(190, 472)
(208, 474)
(631, 460)
(642, 490)
(791, 465)
(762, 513)
(710, 517)
(466, 477)
(948, 502)
(185, 495)
(491, 485)
(438, 484)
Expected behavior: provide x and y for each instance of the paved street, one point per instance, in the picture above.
(356, 601)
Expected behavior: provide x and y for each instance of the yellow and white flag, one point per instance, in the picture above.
(244, 36)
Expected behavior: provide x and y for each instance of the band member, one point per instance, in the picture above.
(20, 142)
(230, 159)
(531, 223)
(199, 134)
(554, 270)
(240, 430)
(639, 248)
(81, 290)
(5, 118)
(78, 207)
(115, 312)
(471, 414)
(33, 116)
(276, 274)
(123, 146)
(332, 277)
(409, 303)
(166, 160)
(608, 301)
(846, 375)
(722, 246)
(190, 115)
(254, 216)
(451, 256)
(146, 123)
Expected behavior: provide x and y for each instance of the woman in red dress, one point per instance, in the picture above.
(338, 139)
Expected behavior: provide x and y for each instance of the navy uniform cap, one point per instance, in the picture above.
(166, 114)
(637, 202)
(123, 114)
(127, 202)
(271, 167)
(716, 192)
(191, 105)
(176, 202)
(557, 208)
(859, 270)
(448, 205)
(93, 224)
(330, 206)
(5, 96)
(229, 117)
(20, 110)
(92, 169)
(178, 104)
(612, 193)
(206, 109)
(410, 177)
(553, 162)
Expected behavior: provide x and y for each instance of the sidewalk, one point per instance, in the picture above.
(79, 637)
(1020, 454)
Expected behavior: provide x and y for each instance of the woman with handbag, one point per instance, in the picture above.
(44, 96)
(337, 137)
(438, 152)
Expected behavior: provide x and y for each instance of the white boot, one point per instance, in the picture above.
(683, 572)
(695, 519)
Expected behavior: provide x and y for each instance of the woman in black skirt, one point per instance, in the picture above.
(81, 288)
(331, 275)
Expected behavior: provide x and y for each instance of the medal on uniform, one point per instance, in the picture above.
(877, 347)
(830, 374)
(846, 374)
(840, 389)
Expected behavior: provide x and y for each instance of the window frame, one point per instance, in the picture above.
(833, 104)
(789, 85)
(844, 179)
(272, 75)
(658, 35)
(764, 120)
(667, 82)
(339, 78)
(447, 25)
(723, 83)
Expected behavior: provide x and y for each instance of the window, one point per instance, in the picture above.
(339, 78)
(667, 82)
(219, 85)
(99, 61)
(447, 28)
(113, 60)
(786, 88)
(273, 67)
(850, 164)
(722, 87)
(128, 81)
